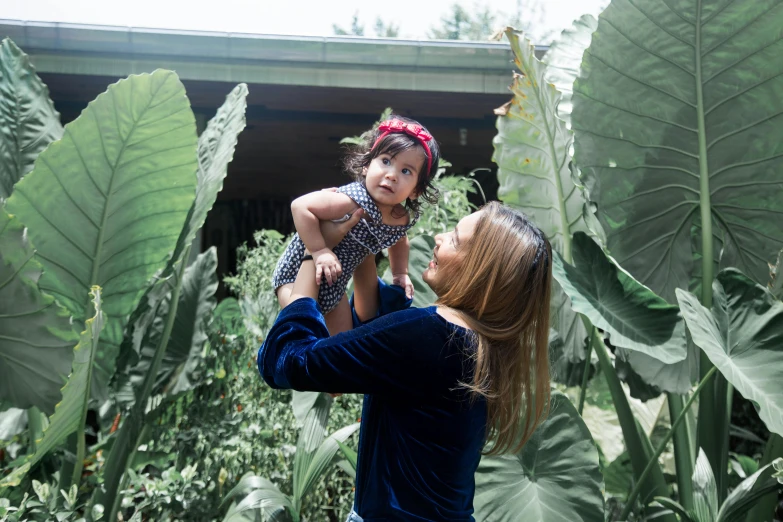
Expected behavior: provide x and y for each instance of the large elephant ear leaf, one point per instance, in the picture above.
(678, 117)
(564, 58)
(532, 152)
(554, 478)
(743, 337)
(105, 205)
(71, 412)
(28, 120)
(183, 354)
(631, 314)
(36, 336)
(216, 147)
(532, 155)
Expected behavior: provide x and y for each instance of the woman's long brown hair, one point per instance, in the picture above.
(501, 289)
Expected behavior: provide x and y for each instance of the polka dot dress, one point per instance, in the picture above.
(369, 236)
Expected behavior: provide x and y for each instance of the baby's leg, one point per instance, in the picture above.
(284, 294)
(339, 320)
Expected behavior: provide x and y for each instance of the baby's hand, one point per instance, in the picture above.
(327, 265)
(404, 281)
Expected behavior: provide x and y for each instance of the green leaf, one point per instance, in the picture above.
(70, 414)
(676, 507)
(600, 417)
(677, 113)
(736, 505)
(189, 334)
(105, 204)
(564, 57)
(261, 494)
(554, 478)
(631, 314)
(351, 456)
(215, 151)
(532, 154)
(324, 456)
(28, 120)
(677, 377)
(421, 248)
(705, 492)
(562, 369)
(311, 436)
(302, 402)
(743, 336)
(36, 335)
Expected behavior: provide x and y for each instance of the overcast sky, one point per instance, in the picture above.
(302, 17)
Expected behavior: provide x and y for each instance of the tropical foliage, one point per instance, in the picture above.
(650, 192)
(646, 144)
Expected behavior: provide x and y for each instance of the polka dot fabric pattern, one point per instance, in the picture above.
(369, 236)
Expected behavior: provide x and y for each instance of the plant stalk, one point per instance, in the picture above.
(35, 426)
(652, 481)
(78, 466)
(711, 402)
(723, 391)
(653, 463)
(132, 426)
(764, 509)
(115, 508)
(585, 376)
(683, 454)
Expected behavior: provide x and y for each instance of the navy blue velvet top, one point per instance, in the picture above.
(421, 436)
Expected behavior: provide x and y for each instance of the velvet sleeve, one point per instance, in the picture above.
(396, 353)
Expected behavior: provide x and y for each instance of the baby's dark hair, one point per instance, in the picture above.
(361, 155)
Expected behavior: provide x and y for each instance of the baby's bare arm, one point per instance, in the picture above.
(309, 210)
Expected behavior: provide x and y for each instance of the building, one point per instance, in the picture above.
(306, 93)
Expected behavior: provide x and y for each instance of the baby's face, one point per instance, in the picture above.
(392, 180)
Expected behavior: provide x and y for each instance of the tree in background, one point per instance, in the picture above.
(478, 22)
(481, 22)
(357, 29)
(382, 29)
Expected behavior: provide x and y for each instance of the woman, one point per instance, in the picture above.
(439, 382)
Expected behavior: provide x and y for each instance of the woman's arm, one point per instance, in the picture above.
(397, 353)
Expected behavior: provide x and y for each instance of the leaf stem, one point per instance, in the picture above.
(655, 485)
(585, 376)
(654, 460)
(683, 454)
(711, 402)
(128, 436)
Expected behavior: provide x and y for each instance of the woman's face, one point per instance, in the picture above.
(447, 252)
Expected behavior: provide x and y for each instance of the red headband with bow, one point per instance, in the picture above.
(411, 129)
